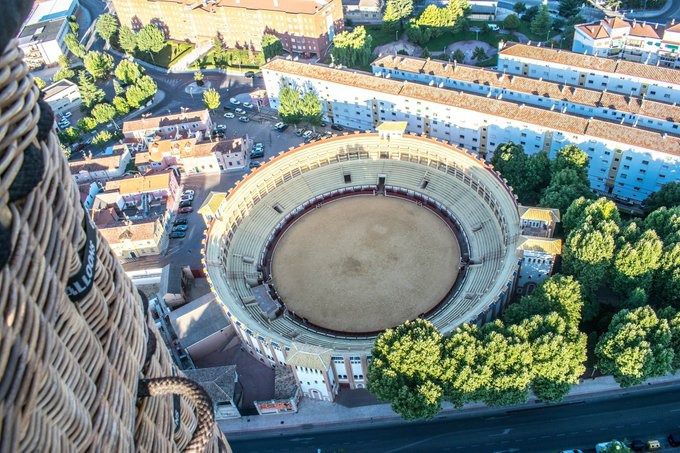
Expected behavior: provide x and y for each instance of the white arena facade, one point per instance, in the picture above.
(320, 249)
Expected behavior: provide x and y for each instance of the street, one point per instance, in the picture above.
(645, 414)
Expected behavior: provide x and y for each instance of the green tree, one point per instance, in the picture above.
(128, 72)
(672, 316)
(511, 22)
(406, 368)
(569, 8)
(464, 370)
(458, 56)
(479, 54)
(86, 124)
(565, 186)
(290, 109)
(418, 34)
(90, 94)
(64, 72)
(40, 83)
(211, 99)
(73, 25)
(559, 294)
(69, 136)
(107, 26)
(635, 263)
(666, 287)
(668, 196)
(121, 105)
(584, 210)
(540, 25)
(666, 223)
(117, 87)
(312, 109)
(636, 346)
(519, 7)
(352, 48)
(150, 39)
(98, 64)
(65, 150)
(198, 77)
(127, 40)
(102, 137)
(527, 175)
(396, 12)
(271, 46)
(103, 113)
(141, 91)
(588, 254)
(74, 46)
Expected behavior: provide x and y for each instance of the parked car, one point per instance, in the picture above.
(240, 111)
(187, 198)
(249, 74)
(258, 145)
(221, 127)
(254, 164)
(243, 119)
(493, 27)
(180, 228)
(653, 445)
(235, 101)
(66, 115)
(307, 134)
(185, 203)
(299, 132)
(186, 210)
(328, 134)
(248, 105)
(337, 127)
(189, 192)
(182, 221)
(177, 234)
(323, 124)
(638, 445)
(280, 126)
(229, 115)
(226, 107)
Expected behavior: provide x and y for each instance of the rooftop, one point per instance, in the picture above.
(219, 382)
(50, 10)
(198, 319)
(100, 163)
(550, 246)
(122, 231)
(591, 63)
(212, 203)
(523, 113)
(542, 214)
(284, 6)
(310, 356)
(552, 90)
(171, 280)
(140, 184)
(41, 31)
(57, 87)
(155, 122)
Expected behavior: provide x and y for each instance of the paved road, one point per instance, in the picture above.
(648, 414)
(672, 13)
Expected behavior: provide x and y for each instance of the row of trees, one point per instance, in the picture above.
(537, 346)
(353, 48)
(149, 38)
(299, 106)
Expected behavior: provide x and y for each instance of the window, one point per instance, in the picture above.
(645, 162)
(347, 177)
(278, 208)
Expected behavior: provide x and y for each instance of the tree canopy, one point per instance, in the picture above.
(396, 12)
(107, 26)
(569, 8)
(127, 40)
(40, 83)
(668, 196)
(103, 112)
(98, 64)
(71, 41)
(352, 48)
(406, 368)
(150, 39)
(211, 99)
(527, 175)
(143, 89)
(90, 94)
(541, 23)
(121, 105)
(296, 107)
(128, 72)
(511, 22)
(271, 46)
(636, 346)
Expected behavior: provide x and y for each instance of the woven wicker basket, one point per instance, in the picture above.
(79, 364)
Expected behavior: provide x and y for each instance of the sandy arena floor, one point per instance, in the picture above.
(365, 263)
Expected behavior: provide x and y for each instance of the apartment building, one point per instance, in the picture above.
(632, 40)
(109, 165)
(184, 124)
(62, 96)
(151, 189)
(195, 156)
(131, 237)
(42, 36)
(305, 27)
(554, 96)
(626, 162)
(588, 71)
(363, 11)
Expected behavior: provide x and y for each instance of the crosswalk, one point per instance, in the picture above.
(169, 80)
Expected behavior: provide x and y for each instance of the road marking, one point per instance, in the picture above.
(505, 431)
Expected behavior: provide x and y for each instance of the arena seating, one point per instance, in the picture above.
(456, 180)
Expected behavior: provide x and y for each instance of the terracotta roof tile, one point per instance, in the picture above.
(166, 120)
(140, 184)
(99, 163)
(594, 31)
(135, 231)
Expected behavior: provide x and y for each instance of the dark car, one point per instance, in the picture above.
(250, 74)
(254, 164)
(186, 203)
(182, 221)
(180, 228)
(186, 210)
(227, 108)
(177, 234)
(337, 127)
(674, 439)
(638, 445)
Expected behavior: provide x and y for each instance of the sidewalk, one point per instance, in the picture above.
(322, 415)
(650, 12)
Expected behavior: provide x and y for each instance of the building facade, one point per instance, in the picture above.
(632, 40)
(42, 35)
(305, 27)
(588, 71)
(627, 163)
(62, 96)
(109, 165)
(363, 11)
(145, 131)
(554, 96)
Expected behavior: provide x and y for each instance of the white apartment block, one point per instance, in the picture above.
(627, 163)
(549, 95)
(42, 35)
(62, 96)
(588, 71)
(632, 40)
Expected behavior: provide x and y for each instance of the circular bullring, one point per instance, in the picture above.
(290, 240)
(387, 258)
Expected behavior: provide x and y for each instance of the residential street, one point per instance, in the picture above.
(645, 414)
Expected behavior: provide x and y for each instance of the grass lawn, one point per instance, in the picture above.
(172, 51)
(381, 36)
